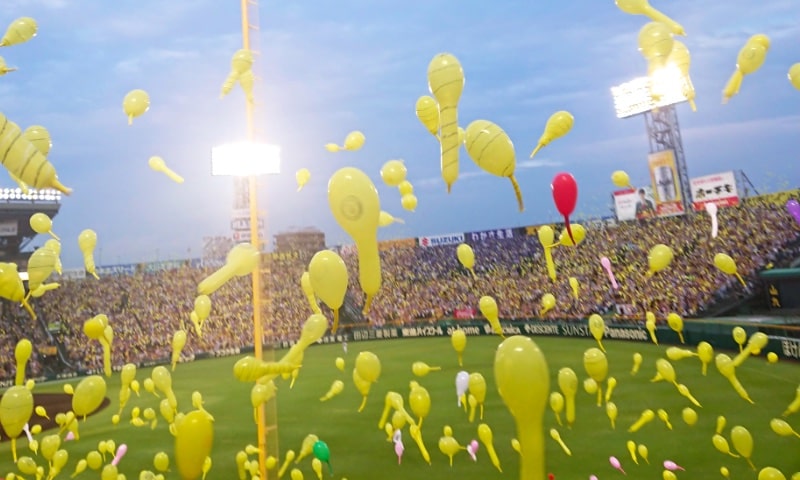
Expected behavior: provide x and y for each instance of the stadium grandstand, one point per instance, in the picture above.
(423, 283)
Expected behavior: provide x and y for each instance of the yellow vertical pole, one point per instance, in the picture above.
(254, 239)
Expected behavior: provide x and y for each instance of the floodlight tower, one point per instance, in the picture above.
(245, 161)
(660, 116)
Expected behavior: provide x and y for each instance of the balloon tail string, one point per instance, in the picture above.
(335, 322)
(517, 192)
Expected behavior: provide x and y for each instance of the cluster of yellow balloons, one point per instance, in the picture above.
(393, 173)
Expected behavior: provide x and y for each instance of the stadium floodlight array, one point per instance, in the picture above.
(16, 194)
(635, 97)
(245, 158)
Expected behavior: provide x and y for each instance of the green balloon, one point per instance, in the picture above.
(323, 453)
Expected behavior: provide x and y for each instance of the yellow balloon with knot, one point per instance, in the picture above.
(727, 265)
(491, 149)
(749, 60)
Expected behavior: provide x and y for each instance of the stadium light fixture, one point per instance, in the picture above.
(243, 159)
(45, 195)
(635, 97)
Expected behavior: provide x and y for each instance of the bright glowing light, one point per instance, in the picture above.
(245, 159)
(667, 86)
(43, 196)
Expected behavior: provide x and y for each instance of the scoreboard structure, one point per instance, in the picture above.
(16, 208)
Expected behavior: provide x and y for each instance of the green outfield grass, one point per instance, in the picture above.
(359, 450)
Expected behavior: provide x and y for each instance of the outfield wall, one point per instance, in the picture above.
(784, 340)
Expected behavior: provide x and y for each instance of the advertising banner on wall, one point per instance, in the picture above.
(440, 240)
(719, 188)
(499, 234)
(666, 183)
(634, 204)
(8, 228)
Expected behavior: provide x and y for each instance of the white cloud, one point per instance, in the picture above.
(51, 4)
(521, 165)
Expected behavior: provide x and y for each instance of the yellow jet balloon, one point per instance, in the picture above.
(16, 408)
(308, 291)
(41, 264)
(12, 288)
(558, 125)
(659, 258)
(88, 395)
(41, 223)
(458, 339)
(5, 68)
(157, 164)
(597, 327)
(329, 281)
(621, 179)
(466, 257)
(394, 172)
(727, 265)
(427, 111)
(24, 161)
(749, 60)
(488, 307)
(523, 382)
(178, 342)
(135, 104)
(548, 303)
(241, 260)
(241, 72)
(655, 45)
(682, 59)
(490, 148)
(446, 82)
(21, 30)
(546, 238)
(675, 322)
(22, 353)
(354, 202)
(728, 370)
(642, 7)
(794, 75)
(194, 438)
(87, 241)
(302, 176)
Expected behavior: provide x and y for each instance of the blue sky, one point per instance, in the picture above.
(333, 67)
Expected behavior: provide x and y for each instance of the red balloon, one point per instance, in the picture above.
(565, 194)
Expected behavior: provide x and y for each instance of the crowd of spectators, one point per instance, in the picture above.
(419, 284)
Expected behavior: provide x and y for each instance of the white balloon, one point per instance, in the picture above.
(462, 384)
(711, 208)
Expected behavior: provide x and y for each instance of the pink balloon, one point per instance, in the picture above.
(121, 451)
(606, 263)
(614, 461)
(672, 466)
(472, 449)
(69, 436)
(399, 448)
(592, 477)
(565, 195)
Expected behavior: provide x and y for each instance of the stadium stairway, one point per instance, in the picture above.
(350, 313)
